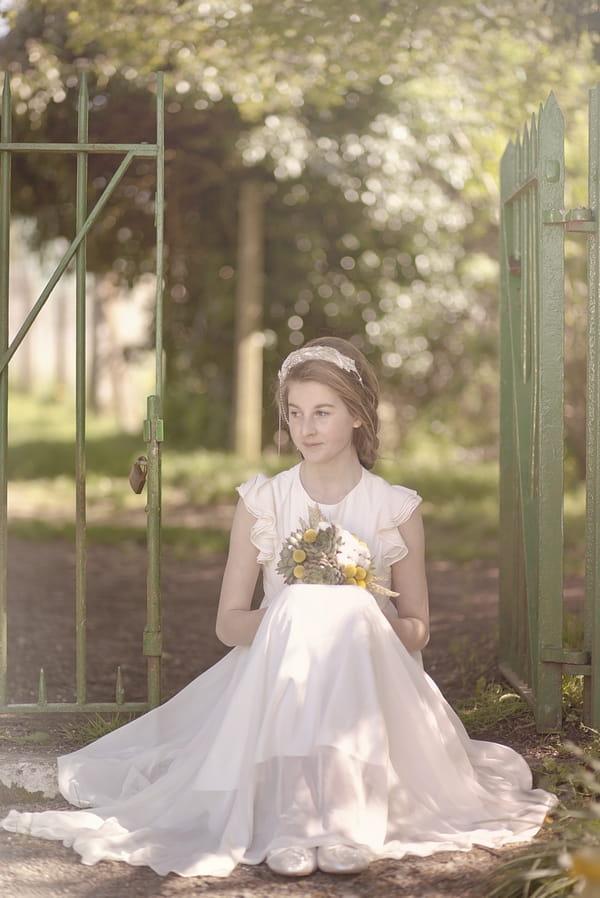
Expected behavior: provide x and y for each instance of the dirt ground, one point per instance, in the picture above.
(41, 577)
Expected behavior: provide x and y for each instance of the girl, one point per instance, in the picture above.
(318, 741)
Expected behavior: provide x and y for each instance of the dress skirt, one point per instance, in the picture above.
(324, 730)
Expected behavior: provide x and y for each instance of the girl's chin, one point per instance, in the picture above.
(321, 455)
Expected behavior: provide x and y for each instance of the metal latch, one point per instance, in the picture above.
(579, 219)
(138, 474)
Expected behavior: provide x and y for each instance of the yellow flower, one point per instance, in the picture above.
(360, 573)
(350, 570)
(310, 535)
(298, 555)
(586, 863)
(350, 581)
(299, 571)
(362, 583)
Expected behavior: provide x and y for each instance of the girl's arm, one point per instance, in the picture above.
(410, 581)
(236, 622)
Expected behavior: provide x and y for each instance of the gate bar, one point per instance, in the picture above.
(160, 229)
(5, 179)
(138, 149)
(592, 477)
(154, 435)
(80, 403)
(549, 418)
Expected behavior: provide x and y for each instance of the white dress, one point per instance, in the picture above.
(324, 730)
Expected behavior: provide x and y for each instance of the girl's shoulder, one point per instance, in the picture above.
(392, 505)
(261, 483)
(265, 497)
(400, 500)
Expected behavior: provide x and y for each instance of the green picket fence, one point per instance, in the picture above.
(533, 224)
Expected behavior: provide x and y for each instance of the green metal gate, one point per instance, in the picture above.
(153, 425)
(533, 223)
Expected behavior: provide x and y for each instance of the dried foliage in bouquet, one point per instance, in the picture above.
(321, 552)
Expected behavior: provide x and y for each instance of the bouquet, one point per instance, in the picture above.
(324, 553)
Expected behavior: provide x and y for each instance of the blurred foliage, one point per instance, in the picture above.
(377, 135)
(567, 861)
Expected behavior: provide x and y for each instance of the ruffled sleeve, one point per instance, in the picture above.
(257, 496)
(396, 509)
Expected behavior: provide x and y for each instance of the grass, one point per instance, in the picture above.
(93, 727)
(492, 704)
(459, 498)
(184, 540)
(460, 492)
(460, 507)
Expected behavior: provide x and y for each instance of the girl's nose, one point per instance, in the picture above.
(308, 425)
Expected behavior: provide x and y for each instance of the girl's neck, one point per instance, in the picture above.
(329, 484)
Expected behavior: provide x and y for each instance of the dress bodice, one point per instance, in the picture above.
(372, 510)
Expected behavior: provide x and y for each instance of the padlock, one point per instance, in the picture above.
(138, 474)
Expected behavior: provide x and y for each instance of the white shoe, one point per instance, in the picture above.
(343, 858)
(293, 861)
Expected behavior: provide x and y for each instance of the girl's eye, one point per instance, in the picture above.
(322, 413)
(293, 414)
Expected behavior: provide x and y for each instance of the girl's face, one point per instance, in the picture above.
(320, 424)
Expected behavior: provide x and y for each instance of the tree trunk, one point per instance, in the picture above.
(95, 312)
(21, 289)
(108, 352)
(249, 318)
(61, 339)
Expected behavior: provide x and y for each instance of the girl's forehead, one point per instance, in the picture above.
(310, 392)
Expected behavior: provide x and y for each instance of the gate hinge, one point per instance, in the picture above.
(579, 219)
(152, 643)
(573, 660)
(156, 432)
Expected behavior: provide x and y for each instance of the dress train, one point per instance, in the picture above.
(325, 730)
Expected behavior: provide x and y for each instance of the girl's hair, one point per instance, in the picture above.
(358, 391)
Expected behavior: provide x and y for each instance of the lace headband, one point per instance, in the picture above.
(320, 354)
